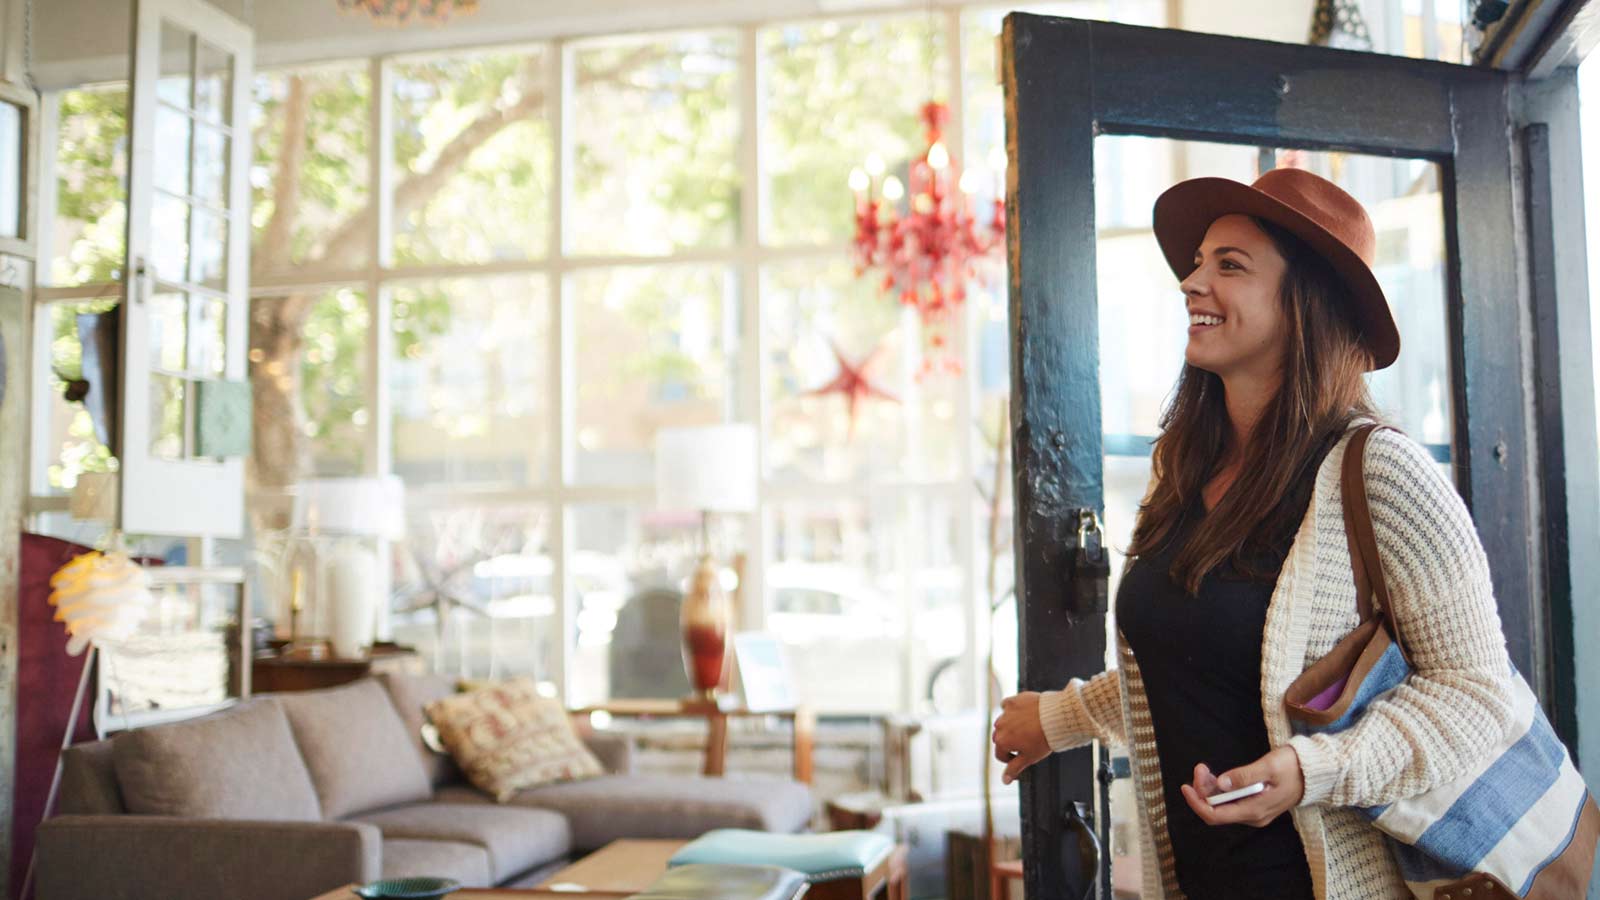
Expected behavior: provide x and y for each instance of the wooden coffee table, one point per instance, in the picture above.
(619, 869)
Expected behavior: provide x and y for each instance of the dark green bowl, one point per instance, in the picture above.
(407, 889)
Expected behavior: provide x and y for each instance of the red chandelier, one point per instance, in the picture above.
(930, 249)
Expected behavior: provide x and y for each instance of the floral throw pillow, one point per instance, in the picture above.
(507, 737)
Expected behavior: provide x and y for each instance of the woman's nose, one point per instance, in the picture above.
(1196, 283)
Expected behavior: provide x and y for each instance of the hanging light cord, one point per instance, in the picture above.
(27, 46)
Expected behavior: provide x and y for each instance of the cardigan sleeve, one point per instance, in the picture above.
(1084, 711)
(1434, 725)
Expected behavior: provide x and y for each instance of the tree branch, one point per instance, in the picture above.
(273, 252)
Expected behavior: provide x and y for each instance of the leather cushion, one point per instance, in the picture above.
(822, 857)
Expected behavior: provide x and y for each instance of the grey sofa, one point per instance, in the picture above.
(287, 796)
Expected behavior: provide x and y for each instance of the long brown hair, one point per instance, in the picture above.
(1322, 392)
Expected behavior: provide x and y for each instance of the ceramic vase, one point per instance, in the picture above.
(704, 623)
(350, 577)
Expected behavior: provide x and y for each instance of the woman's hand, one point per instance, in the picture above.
(1018, 737)
(1280, 769)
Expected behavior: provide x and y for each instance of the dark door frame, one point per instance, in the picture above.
(1068, 81)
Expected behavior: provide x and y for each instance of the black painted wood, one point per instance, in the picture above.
(1068, 81)
(1055, 403)
(1493, 469)
(1558, 645)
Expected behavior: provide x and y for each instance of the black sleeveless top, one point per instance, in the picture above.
(1200, 658)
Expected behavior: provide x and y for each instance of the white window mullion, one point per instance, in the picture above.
(380, 423)
(563, 366)
(752, 353)
(974, 655)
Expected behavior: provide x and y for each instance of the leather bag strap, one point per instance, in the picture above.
(1372, 589)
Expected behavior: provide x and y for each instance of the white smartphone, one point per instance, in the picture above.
(1248, 790)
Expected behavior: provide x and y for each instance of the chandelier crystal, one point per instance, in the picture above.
(930, 246)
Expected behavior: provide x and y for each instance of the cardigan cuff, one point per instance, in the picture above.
(1320, 767)
(1061, 719)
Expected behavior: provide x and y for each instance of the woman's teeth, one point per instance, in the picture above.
(1205, 320)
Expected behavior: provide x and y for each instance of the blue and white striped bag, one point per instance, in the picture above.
(1521, 822)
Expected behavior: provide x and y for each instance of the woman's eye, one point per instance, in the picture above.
(1230, 264)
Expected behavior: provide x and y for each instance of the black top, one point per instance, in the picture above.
(1200, 658)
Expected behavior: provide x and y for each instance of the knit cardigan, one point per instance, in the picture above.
(1423, 733)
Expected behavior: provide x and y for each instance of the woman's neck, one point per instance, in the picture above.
(1246, 398)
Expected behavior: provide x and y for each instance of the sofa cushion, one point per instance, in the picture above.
(601, 810)
(509, 737)
(466, 863)
(89, 781)
(356, 748)
(516, 839)
(411, 694)
(239, 764)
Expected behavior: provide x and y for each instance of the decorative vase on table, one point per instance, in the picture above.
(704, 623)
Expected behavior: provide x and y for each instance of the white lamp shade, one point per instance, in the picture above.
(372, 507)
(712, 468)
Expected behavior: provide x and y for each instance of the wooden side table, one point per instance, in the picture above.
(285, 673)
(803, 718)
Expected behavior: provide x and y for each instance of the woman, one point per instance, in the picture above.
(1239, 578)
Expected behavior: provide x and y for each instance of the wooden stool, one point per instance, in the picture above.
(888, 879)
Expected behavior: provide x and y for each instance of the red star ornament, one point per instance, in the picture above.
(854, 383)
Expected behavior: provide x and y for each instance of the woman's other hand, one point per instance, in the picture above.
(1018, 737)
(1279, 770)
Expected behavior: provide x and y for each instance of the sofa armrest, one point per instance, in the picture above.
(615, 751)
(129, 857)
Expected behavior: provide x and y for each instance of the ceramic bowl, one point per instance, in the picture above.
(407, 889)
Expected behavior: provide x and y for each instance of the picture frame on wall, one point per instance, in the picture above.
(765, 681)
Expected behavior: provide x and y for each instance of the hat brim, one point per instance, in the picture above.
(1185, 211)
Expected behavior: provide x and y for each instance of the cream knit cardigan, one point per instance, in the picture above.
(1423, 733)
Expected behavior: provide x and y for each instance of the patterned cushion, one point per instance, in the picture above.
(508, 737)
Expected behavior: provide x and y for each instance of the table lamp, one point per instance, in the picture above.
(711, 469)
(335, 515)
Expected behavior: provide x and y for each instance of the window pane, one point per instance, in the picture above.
(469, 381)
(474, 590)
(74, 446)
(214, 89)
(473, 158)
(311, 204)
(655, 144)
(652, 352)
(810, 310)
(12, 184)
(836, 601)
(91, 182)
(308, 368)
(628, 576)
(835, 92)
(177, 61)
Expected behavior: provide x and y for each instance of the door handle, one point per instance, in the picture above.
(1079, 824)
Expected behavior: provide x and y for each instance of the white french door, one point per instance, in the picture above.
(186, 299)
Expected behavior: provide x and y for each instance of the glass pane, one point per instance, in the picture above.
(12, 119)
(653, 346)
(166, 416)
(308, 368)
(169, 238)
(177, 61)
(214, 90)
(311, 207)
(473, 158)
(469, 381)
(210, 255)
(474, 590)
(171, 159)
(628, 577)
(211, 335)
(836, 600)
(820, 322)
(168, 324)
(210, 165)
(657, 138)
(859, 86)
(74, 446)
(91, 168)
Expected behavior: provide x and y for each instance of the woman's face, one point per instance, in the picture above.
(1236, 321)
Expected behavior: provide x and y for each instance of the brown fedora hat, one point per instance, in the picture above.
(1310, 207)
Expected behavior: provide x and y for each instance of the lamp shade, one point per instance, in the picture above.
(372, 507)
(711, 468)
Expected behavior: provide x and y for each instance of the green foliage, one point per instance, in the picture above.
(91, 183)
(333, 357)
